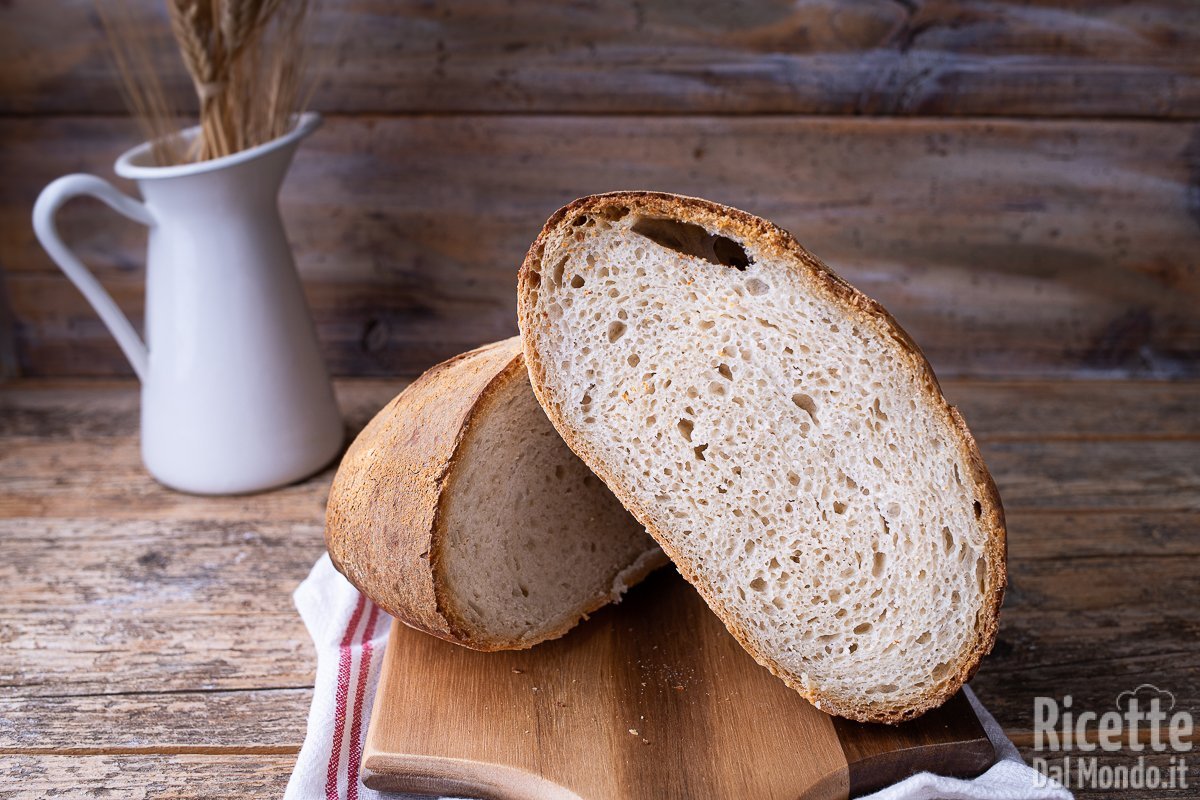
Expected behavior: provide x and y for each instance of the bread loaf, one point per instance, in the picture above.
(780, 436)
(461, 512)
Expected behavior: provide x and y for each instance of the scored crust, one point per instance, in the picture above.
(383, 525)
(773, 241)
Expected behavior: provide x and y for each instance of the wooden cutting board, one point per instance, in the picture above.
(651, 698)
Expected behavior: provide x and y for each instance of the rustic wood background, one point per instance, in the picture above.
(1018, 181)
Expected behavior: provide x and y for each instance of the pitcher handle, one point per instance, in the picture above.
(44, 211)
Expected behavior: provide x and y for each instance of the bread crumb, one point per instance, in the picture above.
(633, 731)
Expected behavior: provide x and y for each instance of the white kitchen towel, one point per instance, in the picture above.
(350, 633)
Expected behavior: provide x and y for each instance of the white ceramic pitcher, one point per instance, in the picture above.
(235, 395)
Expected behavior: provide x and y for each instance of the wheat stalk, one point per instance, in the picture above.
(245, 60)
(147, 99)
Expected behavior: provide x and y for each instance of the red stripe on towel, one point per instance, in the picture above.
(343, 692)
(364, 671)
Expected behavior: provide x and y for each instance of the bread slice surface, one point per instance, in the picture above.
(781, 437)
(460, 511)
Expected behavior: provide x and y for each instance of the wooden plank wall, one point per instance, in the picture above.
(1018, 180)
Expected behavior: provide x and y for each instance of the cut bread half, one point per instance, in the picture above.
(460, 511)
(780, 436)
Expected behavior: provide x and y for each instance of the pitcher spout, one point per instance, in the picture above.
(244, 179)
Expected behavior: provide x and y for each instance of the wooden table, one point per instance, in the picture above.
(150, 646)
(1018, 181)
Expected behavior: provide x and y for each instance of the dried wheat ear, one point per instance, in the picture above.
(780, 436)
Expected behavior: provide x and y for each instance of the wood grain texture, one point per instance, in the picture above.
(621, 709)
(138, 777)
(1084, 410)
(1093, 410)
(107, 479)
(1067, 248)
(596, 715)
(949, 740)
(78, 410)
(96, 607)
(110, 602)
(1005, 248)
(136, 620)
(1011, 57)
(267, 721)
(1096, 476)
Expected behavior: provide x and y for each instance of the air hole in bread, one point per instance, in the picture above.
(725, 371)
(700, 451)
(692, 240)
(633, 360)
(758, 585)
(577, 282)
(616, 330)
(839, 507)
(806, 403)
(978, 509)
(556, 274)
(613, 213)
(757, 287)
(877, 564)
(947, 539)
(862, 628)
(685, 427)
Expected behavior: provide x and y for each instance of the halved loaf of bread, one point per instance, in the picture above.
(780, 436)
(460, 511)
